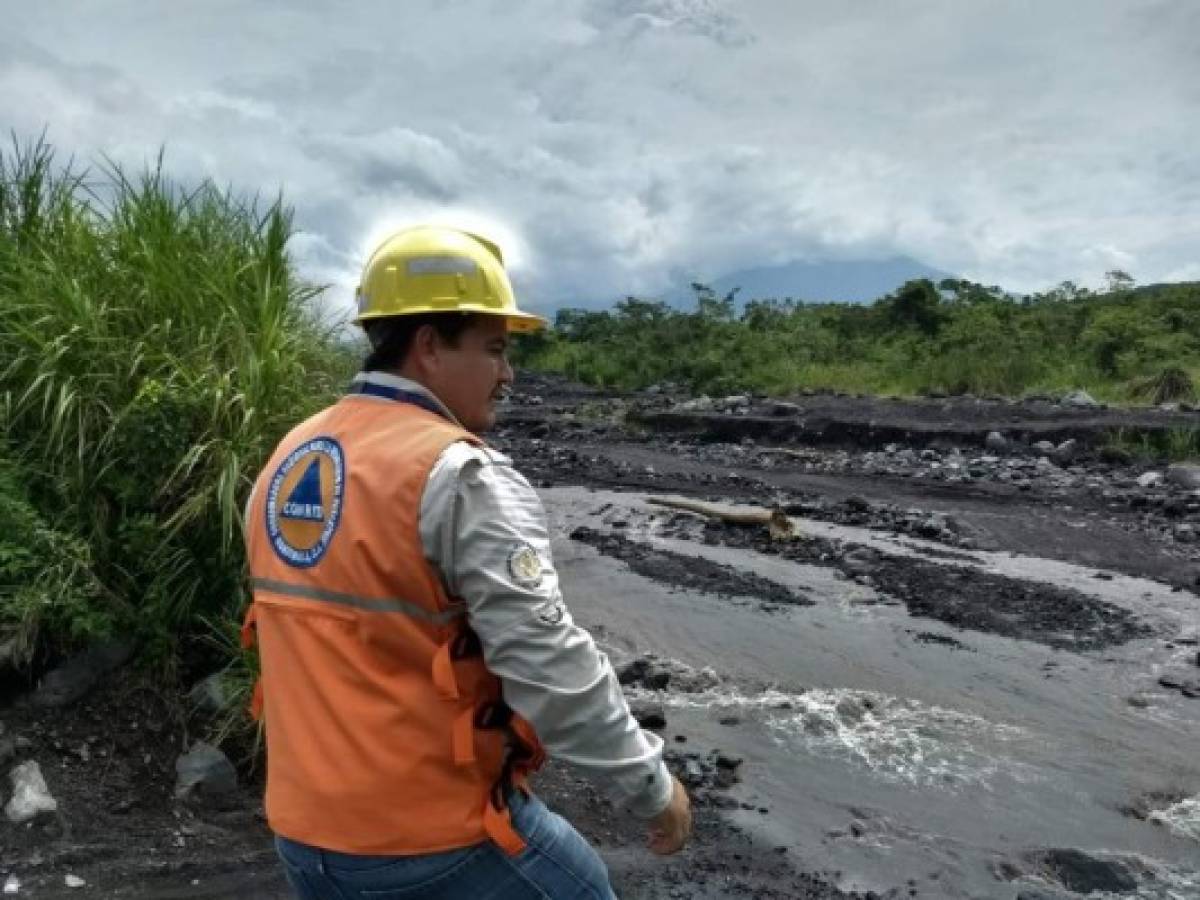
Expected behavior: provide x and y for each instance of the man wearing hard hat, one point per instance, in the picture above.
(417, 659)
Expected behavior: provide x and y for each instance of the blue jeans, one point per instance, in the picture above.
(557, 864)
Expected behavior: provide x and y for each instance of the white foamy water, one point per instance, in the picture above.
(1182, 817)
(896, 738)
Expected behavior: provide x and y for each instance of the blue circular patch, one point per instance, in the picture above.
(304, 501)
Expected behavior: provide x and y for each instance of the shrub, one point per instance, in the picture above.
(154, 346)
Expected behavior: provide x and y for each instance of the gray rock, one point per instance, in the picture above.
(9, 657)
(725, 761)
(860, 562)
(1081, 400)
(699, 404)
(633, 671)
(78, 676)
(209, 694)
(1150, 479)
(1078, 871)
(649, 715)
(1065, 452)
(1186, 534)
(1044, 447)
(693, 774)
(30, 797)
(204, 770)
(996, 442)
(1185, 475)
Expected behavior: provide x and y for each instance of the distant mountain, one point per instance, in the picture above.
(855, 281)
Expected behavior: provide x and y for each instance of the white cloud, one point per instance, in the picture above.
(622, 143)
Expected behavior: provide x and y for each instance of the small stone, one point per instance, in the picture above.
(1150, 479)
(1065, 452)
(725, 761)
(634, 671)
(30, 797)
(657, 679)
(996, 442)
(649, 715)
(12, 885)
(209, 694)
(206, 770)
(1081, 400)
(74, 881)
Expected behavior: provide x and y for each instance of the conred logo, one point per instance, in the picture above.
(304, 501)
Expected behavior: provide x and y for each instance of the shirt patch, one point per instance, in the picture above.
(553, 612)
(304, 502)
(525, 566)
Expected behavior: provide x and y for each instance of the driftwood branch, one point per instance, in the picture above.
(785, 451)
(776, 520)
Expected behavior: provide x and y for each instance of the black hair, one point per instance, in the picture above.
(391, 337)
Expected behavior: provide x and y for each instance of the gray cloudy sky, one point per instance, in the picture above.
(618, 145)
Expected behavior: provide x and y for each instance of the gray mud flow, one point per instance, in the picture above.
(894, 745)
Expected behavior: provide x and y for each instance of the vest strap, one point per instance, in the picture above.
(497, 819)
(443, 673)
(464, 737)
(256, 700)
(248, 633)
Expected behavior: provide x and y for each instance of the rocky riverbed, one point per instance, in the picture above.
(967, 666)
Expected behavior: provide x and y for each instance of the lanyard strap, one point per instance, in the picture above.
(399, 395)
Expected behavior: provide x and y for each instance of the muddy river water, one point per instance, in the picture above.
(895, 751)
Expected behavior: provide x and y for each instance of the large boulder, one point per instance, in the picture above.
(1186, 475)
(72, 680)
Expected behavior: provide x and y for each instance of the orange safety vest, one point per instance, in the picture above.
(386, 734)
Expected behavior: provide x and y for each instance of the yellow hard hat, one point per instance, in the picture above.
(435, 269)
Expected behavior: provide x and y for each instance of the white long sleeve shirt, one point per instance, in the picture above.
(479, 521)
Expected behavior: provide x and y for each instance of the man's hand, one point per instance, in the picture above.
(672, 827)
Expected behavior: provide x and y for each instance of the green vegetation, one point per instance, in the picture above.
(154, 346)
(1123, 344)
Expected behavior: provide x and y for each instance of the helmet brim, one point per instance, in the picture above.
(518, 320)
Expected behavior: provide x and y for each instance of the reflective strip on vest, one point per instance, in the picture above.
(370, 604)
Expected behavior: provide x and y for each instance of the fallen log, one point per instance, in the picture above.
(776, 520)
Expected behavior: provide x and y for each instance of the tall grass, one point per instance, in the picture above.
(154, 345)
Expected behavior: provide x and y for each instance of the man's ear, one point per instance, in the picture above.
(423, 351)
